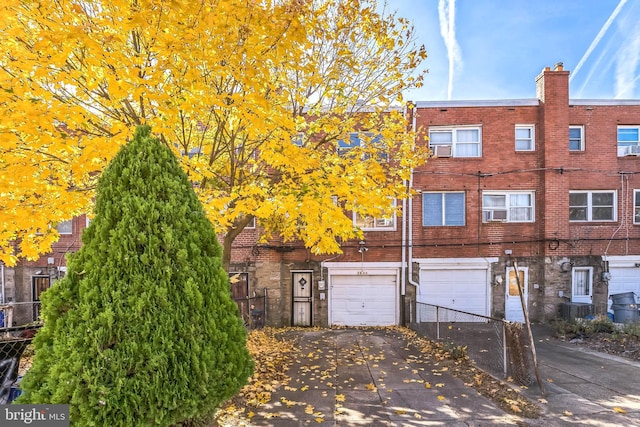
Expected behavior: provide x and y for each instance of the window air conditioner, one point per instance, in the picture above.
(495, 216)
(441, 150)
(632, 150)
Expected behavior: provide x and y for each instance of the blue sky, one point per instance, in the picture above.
(494, 49)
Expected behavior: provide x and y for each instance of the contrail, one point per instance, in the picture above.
(446, 15)
(596, 40)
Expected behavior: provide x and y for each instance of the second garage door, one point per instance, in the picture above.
(363, 300)
(624, 279)
(461, 289)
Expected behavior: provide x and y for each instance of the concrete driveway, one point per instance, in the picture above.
(584, 387)
(371, 377)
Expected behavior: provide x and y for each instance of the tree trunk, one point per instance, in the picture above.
(229, 236)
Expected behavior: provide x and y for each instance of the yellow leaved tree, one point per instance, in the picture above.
(281, 111)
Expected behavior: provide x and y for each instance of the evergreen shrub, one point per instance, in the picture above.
(142, 330)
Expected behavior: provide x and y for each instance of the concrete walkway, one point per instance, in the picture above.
(371, 377)
(584, 387)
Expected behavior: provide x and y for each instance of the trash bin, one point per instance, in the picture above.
(625, 309)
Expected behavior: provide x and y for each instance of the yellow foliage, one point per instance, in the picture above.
(228, 85)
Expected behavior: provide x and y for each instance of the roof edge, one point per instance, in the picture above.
(529, 102)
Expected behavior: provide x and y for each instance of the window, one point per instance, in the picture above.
(576, 138)
(375, 224)
(513, 290)
(298, 139)
(456, 142)
(507, 207)
(443, 209)
(592, 206)
(524, 138)
(360, 139)
(636, 206)
(252, 223)
(65, 227)
(628, 141)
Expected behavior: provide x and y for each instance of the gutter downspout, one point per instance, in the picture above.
(410, 273)
(410, 222)
(403, 267)
(2, 279)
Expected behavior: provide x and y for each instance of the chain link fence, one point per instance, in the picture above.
(19, 323)
(494, 345)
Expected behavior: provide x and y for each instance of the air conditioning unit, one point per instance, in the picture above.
(499, 215)
(632, 150)
(441, 150)
(571, 311)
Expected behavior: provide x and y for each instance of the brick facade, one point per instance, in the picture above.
(550, 246)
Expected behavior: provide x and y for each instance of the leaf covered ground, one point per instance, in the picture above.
(275, 351)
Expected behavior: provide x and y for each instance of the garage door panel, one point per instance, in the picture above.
(464, 290)
(624, 279)
(367, 300)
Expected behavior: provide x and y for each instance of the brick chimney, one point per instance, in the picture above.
(553, 85)
(552, 89)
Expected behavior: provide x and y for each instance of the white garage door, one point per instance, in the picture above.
(363, 300)
(460, 289)
(624, 279)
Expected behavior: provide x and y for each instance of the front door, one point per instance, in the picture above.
(582, 285)
(513, 305)
(302, 285)
(39, 285)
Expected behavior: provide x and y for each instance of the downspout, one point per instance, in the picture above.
(410, 273)
(403, 267)
(2, 279)
(410, 220)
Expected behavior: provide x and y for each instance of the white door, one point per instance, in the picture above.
(582, 285)
(460, 289)
(513, 304)
(302, 285)
(624, 279)
(363, 300)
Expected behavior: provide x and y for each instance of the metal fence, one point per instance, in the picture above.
(253, 310)
(19, 313)
(494, 345)
(19, 322)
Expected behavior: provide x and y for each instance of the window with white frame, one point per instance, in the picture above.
(65, 227)
(525, 138)
(576, 138)
(628, 141)
(463, 141)
(252, 223)
(362, 139)
(370, 223)
(636, 206)
(443, 209)
(508, 206)
(592, 206)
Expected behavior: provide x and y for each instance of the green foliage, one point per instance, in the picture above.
(631, 331)
(456, 352)
(584, 327)
(142, 330)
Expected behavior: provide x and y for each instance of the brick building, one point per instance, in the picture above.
(549, 185)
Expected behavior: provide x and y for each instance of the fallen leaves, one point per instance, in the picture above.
(317, 366)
